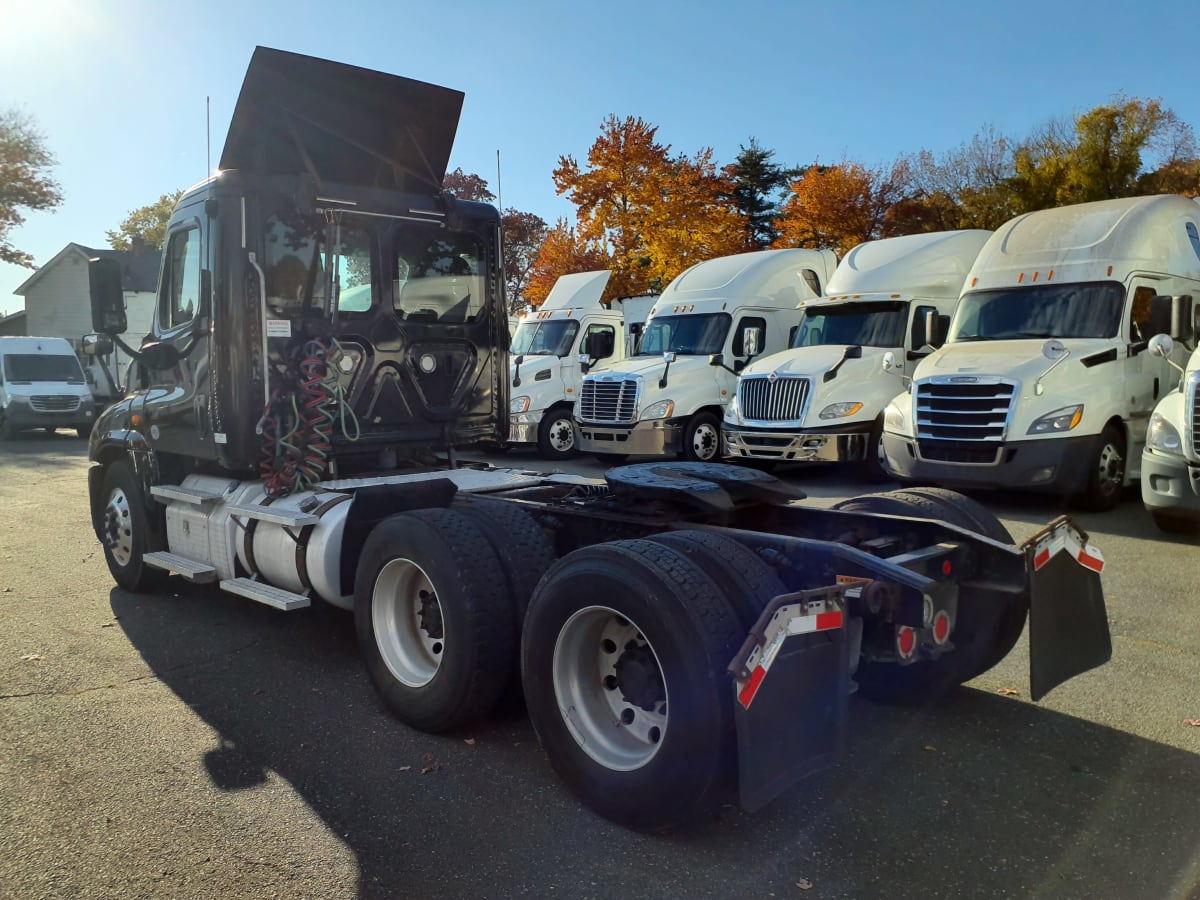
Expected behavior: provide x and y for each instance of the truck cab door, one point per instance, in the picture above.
(177, 403)
(1146, 377)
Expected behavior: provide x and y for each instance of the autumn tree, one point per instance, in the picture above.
(758, 185)
(25, 182)
(840, 206)
(563, 252)
(966, 187)
(523, 236)
(145, 225)
(646, 209)
(468, 186)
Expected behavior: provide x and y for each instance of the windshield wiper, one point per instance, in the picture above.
(973, 337)
(1027, 334)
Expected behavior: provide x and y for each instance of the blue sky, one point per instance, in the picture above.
(118, 86)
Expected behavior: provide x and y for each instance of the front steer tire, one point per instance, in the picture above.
(434, 619)
(128, 531)
(648, 761)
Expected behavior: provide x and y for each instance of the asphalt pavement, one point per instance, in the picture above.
(190, 743)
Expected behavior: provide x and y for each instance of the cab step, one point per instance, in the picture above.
(287, 517)
(181, 565)
(265, 593)
(165, 493)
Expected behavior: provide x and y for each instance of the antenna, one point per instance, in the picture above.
(207, 136)
(499, 196)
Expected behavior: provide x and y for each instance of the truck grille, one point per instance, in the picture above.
(608, 401)
(962, 422)
(48, 403)
(1194, 417)
(772, 400)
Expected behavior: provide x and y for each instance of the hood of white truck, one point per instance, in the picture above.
(1021, 360)
(810, 361)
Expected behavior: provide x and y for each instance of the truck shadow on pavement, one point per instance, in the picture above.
(984, 796)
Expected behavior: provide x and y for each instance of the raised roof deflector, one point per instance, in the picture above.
(341, 123)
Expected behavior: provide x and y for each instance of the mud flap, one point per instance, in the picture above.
(1068, 624)
(791, 690)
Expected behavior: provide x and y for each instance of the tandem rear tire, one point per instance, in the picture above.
(434, 618)
(623, 658)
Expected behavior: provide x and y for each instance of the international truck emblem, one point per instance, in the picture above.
(773, 377)
(963, 379)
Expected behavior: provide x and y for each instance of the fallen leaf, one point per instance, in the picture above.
(431, 764)
(470, 742)
(804, 884)
(108, 624)
(1009, 692)
(406, 768)
(929, 748)
(8, 590)
(32, 656)
(1195, 723)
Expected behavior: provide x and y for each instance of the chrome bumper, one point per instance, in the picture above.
(795, 446)
(523, 427)
(658, 438)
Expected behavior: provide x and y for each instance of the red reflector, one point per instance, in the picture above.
(828, 620)
(941, 627)
(906, 641)
(746, 697)
(1090, 562)
(946, 567)
(1041, 559)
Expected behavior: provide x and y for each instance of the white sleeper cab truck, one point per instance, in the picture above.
(683, 633)
(709, 322)
(42, 386)
(571, 332)
(1171, 458)
(1045, 382)
(822, 399)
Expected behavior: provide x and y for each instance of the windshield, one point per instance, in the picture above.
(296, 259)
(687, 335)
(548, 338)
(867, 324)
(23, 368)
(1045, 311)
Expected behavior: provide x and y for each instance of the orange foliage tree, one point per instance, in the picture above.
(837, 207)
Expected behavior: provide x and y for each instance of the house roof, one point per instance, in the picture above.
(139, 267)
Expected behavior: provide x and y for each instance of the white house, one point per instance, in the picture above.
(58, 302)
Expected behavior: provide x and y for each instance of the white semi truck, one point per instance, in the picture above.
(1045, 382)
(709, 322)
(330, 330)
(1171, 458)
(554, 344)
(822, 399)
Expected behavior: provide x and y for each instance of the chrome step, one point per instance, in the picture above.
(286, 517)
(181, 565)
(165, 493)
(265, 593)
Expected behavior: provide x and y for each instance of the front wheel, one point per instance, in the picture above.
(702, 438)
(128, 532)
(1106, 471)
(623, 657)
(557, 435)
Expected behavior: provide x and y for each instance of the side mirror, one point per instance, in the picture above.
(97, 344)
(1053, 349)
(1161, 345)
(107, 296)
(933, 330)
(585, 363)
(669, 356)
(1183, 327)
(853, 352)
(751, 340)
(717, 359)
(889, 361)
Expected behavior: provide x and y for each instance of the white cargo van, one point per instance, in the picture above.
(42, 386)
(569, 333)
(1045, 382)
(709, 322)
(822, 399)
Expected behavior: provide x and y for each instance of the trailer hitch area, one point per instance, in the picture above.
(1068, 624)
(793, 723)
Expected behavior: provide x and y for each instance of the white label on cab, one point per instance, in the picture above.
(279, 328)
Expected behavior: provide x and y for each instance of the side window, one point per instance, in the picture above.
(1139, 314)
(749, 322)
(600, 341)
(180, 291)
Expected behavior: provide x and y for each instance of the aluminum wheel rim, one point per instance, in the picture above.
(612, 731)
(705, 440)
(118, 527)
(562, 435)
(403, 603)
(1111, 470)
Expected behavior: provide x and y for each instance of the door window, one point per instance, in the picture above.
(600, 341)
(180, 297)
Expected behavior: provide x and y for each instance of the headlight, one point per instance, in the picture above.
(1060, 420)
(518, 405)
(660, 410)
(1162, 435)
(895, 417)
(840, 410)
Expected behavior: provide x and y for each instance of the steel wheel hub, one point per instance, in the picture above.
(407, 620)
(1112, 470)
(118, 527)
(562, 435)
(705, 441)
